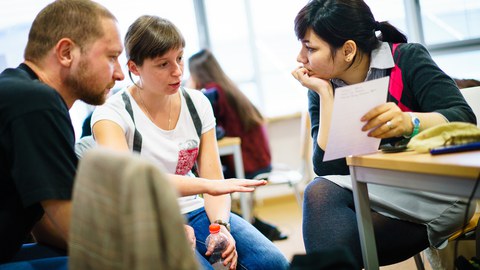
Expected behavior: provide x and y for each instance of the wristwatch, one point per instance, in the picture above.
(416, 124)
(223, 223)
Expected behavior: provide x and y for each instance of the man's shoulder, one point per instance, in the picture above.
(17, 89)
(21, 97)
(18, 81)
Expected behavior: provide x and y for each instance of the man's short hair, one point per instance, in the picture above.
(79, 20)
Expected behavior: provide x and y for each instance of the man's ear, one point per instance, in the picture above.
(349, 50)
(133, 68)
(64, 50)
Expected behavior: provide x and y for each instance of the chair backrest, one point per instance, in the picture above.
(125, 215)
(472, 96)
(84, 144)
(471, 226)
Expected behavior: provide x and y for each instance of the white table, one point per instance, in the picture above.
(453, 174)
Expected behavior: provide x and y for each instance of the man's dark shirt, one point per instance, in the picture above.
(37, 158)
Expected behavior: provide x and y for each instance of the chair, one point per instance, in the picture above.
(125, 215)
(472, 96)
(281, 174)
(469, 233)
(84, 144)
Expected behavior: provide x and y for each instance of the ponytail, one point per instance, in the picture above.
(390, 33)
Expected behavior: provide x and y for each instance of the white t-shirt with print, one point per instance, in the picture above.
(175, 149)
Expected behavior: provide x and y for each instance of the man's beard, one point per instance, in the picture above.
(85, 87)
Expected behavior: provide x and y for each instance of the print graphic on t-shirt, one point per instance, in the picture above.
(187, 155)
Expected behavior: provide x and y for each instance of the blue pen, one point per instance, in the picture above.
(455, 148)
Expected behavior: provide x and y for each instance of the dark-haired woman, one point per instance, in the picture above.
(343, 44)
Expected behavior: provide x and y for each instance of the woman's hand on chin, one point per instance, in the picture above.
(307, 79)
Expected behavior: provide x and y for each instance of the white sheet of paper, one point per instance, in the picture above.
(350, 104)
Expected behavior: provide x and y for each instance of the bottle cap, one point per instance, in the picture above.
(214, 228)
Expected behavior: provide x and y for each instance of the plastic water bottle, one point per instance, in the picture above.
(217, 242)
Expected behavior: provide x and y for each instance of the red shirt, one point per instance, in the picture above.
(255, 146)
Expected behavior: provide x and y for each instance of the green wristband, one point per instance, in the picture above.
(416, 124)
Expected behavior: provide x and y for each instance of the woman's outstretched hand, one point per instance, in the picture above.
(220, 187)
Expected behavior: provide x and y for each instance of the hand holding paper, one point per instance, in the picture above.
(350, 104)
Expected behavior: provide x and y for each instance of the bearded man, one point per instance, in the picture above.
(71, 54)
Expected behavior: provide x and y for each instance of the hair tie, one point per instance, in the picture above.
(377, 26)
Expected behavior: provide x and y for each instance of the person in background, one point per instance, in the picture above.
(238, 117)
(86, 127)
(167, 125)
(71, 54)
(466, 83)
(340, 46)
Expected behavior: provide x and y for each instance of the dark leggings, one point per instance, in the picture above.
(329, 222)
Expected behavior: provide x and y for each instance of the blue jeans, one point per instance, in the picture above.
(330, 222)
(255, 251)
(37, 257)
(54, 263)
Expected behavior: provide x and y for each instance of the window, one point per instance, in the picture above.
(259, 51)
(17, 17)
(450, 20)
(277, 49)
(392, 11)
(255, 43)
(451, 33)
(448, 28)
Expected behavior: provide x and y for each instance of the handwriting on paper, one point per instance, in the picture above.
(350, 104)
